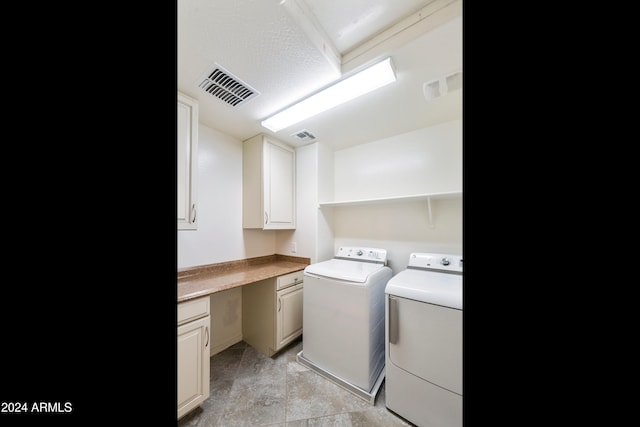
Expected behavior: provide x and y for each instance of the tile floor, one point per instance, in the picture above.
(251, 389)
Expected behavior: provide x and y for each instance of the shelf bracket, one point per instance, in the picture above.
(430, 218)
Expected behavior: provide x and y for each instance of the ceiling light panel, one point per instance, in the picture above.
(372, 78)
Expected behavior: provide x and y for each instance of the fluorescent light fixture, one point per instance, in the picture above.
(365, 81)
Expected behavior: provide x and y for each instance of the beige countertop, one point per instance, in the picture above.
(194, 282)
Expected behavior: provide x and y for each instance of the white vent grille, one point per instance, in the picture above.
(226, 87)
(303, 135)
(442, 86)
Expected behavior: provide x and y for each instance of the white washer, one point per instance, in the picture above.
(423, 308)
(343, 319)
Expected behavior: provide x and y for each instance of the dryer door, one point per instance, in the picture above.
(426, 340)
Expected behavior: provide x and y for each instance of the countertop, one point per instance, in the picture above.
(195, 282)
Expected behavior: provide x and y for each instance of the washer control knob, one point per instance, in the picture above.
(445, 261)
(359, 252)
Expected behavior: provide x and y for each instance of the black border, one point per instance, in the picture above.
(90, 257)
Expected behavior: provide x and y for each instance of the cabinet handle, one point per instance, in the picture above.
(193, 211)
(266, 217)
(206, 329)
(279, 304)
(393, 320)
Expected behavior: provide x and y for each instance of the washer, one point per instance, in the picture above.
(423, 334)
(343, 319)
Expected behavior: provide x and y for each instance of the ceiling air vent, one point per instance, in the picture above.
(227, 87)
(303, 135)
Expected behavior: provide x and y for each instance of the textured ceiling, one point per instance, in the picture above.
(349, 23)
(281, 50)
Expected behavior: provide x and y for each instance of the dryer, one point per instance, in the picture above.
(343, 319)
(423, 334)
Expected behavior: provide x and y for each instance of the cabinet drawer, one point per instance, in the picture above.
(193, 309)
(290, 279)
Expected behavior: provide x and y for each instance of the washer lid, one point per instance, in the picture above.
(427, 286)
(348, 270)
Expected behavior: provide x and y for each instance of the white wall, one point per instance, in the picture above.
(220, 236)
(424, 161)
(401, 228)
(306, 207)
(324, 230)
(427, 160)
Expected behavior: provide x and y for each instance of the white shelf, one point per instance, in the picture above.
(408, 198)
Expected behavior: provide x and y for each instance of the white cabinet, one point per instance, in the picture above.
(268, 184)
(193, 353)
(289, 308)
(272, 312)
(187, 162)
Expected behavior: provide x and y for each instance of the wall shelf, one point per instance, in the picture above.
(394, 199)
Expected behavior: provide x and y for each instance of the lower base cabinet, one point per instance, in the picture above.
(193, 354)
(272, 312)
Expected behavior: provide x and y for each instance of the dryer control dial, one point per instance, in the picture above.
(445, 261)
(359, 252)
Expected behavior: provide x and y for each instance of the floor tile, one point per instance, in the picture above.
(250, 389)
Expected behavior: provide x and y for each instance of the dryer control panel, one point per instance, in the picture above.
(445, 262)
(362, 254)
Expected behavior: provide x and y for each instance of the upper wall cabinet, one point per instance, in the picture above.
(268, 183)
(187, 162)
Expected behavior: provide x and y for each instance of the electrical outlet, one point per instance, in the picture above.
(294, 247)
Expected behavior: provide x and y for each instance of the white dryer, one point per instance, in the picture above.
(343, 319)
(423, 308)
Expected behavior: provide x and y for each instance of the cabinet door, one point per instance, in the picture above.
(193, 364)
(289, 315)
(279, 186)
(187, 162)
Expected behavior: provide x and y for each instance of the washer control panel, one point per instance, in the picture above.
(445, 262)
(364, 254)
